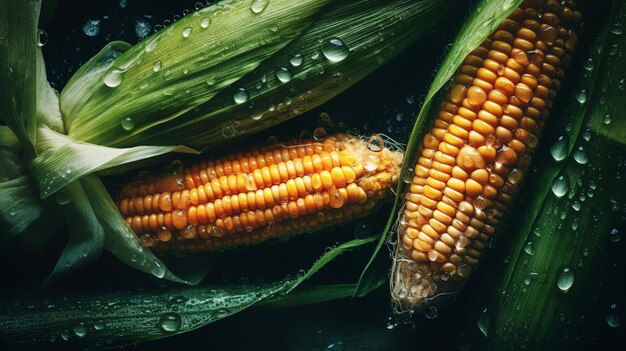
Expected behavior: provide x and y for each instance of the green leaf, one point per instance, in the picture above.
(148, 83)
(110, 320)
(62, 161)
(85, 234)
(482, 21)
(18, 45)
(358, 36)
(48, 109)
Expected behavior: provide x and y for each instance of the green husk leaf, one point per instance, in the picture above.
(235, 41)
(62, 161)
(120, 239)
(483, 20)
(8, 139)
(576, 202)
(141, 316)
(18, 45)
(85, 234)
(110, 320)
(373, 32)
(23, 210)
(48, 110)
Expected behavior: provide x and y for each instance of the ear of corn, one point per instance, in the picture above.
(269, 192)
(478, 150)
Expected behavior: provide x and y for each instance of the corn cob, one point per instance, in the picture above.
(275, 191)
(480, 145)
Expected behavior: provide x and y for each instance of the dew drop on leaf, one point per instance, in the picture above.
(170, 322)
(565, 279)
(335, 50)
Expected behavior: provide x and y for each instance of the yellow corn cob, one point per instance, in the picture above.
(252, 196)
(478, 150)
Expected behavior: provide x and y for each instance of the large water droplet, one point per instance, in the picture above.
(376, 143)
(205, 22)
(296, 60)
(319, 133)
(240, 96)
(99, 324)
(612, 318)
(335, 50)
(529, 248)
(257, 6)
(283, 75)
(152, 45)
(559, 149)
(431, 312)
(127, 123)
(187, 32)
(615, 235)
(484, 322)
(42, 38)
(62, 197)
(91, 28)
(80, 329)
(565, 279)
(560, 186)
(170, 322)
(113, 77)
(580, 155)
(407, 175)
(581, 96)
(157, 66)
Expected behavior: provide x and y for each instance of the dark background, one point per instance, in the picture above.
(387, 102)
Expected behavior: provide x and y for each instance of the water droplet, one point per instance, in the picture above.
(587, 134)
(127, 123)
(607, 119)
(80, 329)
(240, 96)
(170, 322)
(565, 279)
(529, 248)
(581, 96)
(576, 206)
(91, 28)
(257, 6)
(142, 28)
(559, 149)
(187, 32)
(362, 230)
(152, 45)
(335, 50)
(62, 197)
(283, 75)
(319, 133)
(205, 22)
(617, 29)
(12, 212)
(337, 77)
(296, 60)
(113, 77)
(229, 130)
(560, 186)
(615, 235)
(258, 116)
(42, 38)
(376, 143)
(431, 312)
(157, 66)
(581, 156)
(407, 175)
(158, 270)
(612, 318)
(99, 324)
(65, 335)
(484, 322)
(588, 64)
